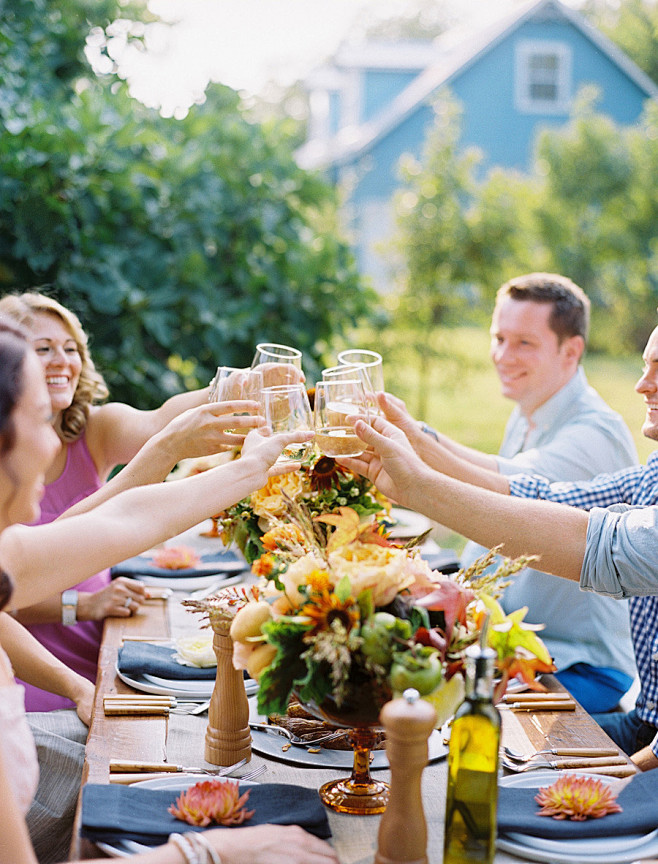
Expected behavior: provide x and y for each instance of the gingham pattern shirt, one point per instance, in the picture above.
(635, 486)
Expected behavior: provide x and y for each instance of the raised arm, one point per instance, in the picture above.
(46, 558)
(442, 453)
(555, 532)
(199, 431)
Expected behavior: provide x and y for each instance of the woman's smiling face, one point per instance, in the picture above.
(60, 357)
(23, 468)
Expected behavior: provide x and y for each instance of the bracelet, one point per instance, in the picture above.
(195, 848)
(205, 846)
(188, 849)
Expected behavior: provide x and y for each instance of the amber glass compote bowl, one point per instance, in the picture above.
(359, 795)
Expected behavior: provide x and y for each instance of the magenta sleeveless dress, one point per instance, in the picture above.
(78, 645)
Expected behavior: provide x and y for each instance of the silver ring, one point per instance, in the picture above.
(127, 602)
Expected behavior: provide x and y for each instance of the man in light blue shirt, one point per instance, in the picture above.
(562, 429)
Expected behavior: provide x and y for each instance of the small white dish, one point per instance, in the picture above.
(408, 524)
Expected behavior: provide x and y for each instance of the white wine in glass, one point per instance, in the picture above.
(287, 409)
(335, 401)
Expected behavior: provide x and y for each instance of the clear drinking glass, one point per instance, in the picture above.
(335, 400)
(280, 364)
(345, 372)
(287, 409)
(232, 383)
(370, 359)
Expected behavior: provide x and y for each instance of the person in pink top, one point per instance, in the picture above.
(96, 436)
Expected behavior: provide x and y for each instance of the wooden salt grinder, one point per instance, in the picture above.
(408, 722)
(228, 738)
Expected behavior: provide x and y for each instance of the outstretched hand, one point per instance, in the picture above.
(203, 430)
(390, 462)
(265, 448)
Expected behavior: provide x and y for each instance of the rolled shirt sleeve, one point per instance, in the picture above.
(621, 553)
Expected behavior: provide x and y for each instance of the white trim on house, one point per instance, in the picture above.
(542, 77)
(354, 141)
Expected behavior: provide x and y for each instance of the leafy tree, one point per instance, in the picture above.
(179, 243)
(587, 209)
(459, 239)
(633, 25)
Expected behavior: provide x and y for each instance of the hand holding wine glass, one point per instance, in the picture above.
(335, 401)
(232, 384)
(287, 409)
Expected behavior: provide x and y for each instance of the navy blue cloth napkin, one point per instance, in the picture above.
(517, 811)
(113, 812)
(139, 658)
(142, 565)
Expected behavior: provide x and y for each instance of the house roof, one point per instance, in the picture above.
(454, 58)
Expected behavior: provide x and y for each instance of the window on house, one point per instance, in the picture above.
(543, 77)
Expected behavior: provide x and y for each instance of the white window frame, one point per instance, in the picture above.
(525, 102)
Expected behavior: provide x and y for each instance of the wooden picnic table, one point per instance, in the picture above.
(180, 739)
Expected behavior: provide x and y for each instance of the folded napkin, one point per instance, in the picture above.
(138, 658)
(211, 563)
(517, 813)
(114, 812)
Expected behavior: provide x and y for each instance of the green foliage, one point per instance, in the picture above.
(179, 243)
(587, 209)
(633, 25)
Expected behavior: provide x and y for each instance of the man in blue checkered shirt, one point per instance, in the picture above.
(619, 558)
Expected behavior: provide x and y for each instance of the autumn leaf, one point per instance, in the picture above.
(521, 653)
(346, 523)
(448, 597)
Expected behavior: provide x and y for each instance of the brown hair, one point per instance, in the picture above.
(91, 387)
(570, 313)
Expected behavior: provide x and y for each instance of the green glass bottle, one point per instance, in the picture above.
(472, 795)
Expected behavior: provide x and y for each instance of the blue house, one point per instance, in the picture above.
(373, 103)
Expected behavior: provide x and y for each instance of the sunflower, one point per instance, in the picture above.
(325, 609)
(325, 473)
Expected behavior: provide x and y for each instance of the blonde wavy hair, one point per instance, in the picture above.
(91, 387)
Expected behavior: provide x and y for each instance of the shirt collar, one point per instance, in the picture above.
(551, 411)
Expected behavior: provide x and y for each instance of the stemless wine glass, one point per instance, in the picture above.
(370, 359)
(232, 383)
(335, 400)
(279, 364)
(345, 373)
(287, 409)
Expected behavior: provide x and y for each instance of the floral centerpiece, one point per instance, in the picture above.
(342, 606)
(321, 485)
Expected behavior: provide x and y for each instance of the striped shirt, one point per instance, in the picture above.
(637, 486)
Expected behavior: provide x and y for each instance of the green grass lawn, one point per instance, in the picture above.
(465, 401)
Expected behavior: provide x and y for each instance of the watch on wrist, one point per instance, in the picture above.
(69, 607)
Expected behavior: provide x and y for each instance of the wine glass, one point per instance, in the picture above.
(335, 400)
(346, 373)
(287, 409)
(370, 359)
(232, 383)
(279, 364)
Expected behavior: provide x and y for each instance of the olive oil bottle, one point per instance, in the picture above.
(472, 795)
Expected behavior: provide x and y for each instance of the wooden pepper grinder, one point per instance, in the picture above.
(408, 722)
(228, 738)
